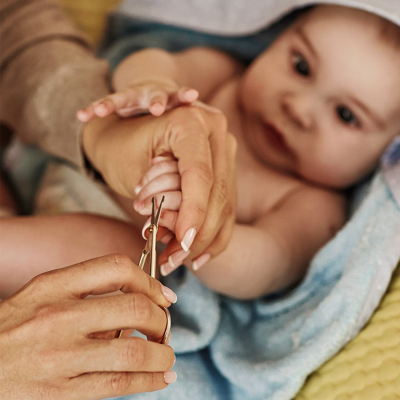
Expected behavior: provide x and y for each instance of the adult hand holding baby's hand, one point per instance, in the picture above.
(197, 137)
(48, 345)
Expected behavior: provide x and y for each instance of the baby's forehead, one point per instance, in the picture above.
(334, 14)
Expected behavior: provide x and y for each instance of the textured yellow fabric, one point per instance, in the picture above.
(90, 15)
(368, 368)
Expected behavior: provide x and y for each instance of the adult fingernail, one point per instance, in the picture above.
(167, 238)
(200, 261)
(170, 376)
(169, 294)
(145, 227)
(188, 239)
(175, 259)
(168, 342)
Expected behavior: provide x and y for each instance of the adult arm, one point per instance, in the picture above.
(48, 72)
(47, 347)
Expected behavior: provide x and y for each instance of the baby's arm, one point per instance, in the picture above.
(35, 244)
(274, 252)
(154, 80)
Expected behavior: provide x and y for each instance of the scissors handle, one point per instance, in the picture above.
(143, 258)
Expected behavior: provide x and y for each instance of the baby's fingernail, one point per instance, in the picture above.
(200, 261)
(170, 376)
(156, 109)
(167, 238)
(138, 188)
(82, 116)
(145, 227)
(191, 95)
(188, 239)
(138, 205)
(169, 294)
(101, 110)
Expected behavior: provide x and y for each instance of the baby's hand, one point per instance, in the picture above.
(140, 98)
(162, 179)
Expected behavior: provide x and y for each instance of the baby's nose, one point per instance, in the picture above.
(299, 110)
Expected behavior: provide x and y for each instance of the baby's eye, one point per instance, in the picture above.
(347, 116)
(300, 64)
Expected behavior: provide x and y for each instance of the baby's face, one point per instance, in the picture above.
(323, 102)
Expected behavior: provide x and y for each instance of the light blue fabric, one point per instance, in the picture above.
(264, 349)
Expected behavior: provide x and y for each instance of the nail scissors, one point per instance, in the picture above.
(150, 248)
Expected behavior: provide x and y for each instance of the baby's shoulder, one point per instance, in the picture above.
(322, 204)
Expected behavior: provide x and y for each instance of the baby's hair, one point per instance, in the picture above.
(389, 32)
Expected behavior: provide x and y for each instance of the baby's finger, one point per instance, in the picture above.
(182, 96)
(158, 102)
(187, 95)
(172, 202)
(86, 114)
(159, 168)
(160, 184)
(167, 220)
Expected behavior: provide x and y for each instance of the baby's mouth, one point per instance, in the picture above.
(275, 138)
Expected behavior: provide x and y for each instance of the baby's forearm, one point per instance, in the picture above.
(253, 265)
(33, 245)
(147, 65)
(199, 68)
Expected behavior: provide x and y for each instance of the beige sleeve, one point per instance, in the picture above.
(48, 72)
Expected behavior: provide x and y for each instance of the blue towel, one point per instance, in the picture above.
(265, 349)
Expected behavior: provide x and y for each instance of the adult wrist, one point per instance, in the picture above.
(92, 143)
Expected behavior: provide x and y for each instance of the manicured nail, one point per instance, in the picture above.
(188, 239)
(169, 294)
(166, 269)
(145, 227)
(167, 343)
(200, 261)
(170, 376)
(175, 259)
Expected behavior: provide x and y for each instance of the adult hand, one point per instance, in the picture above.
(47, 343)
(122, 150)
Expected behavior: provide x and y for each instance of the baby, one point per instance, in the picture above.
(312, 116)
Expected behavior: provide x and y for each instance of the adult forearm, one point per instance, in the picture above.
(48, 72)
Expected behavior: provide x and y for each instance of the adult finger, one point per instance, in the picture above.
(124, 354)
(101, 275)
(115, 384)
(195, 163)
(130, 310)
